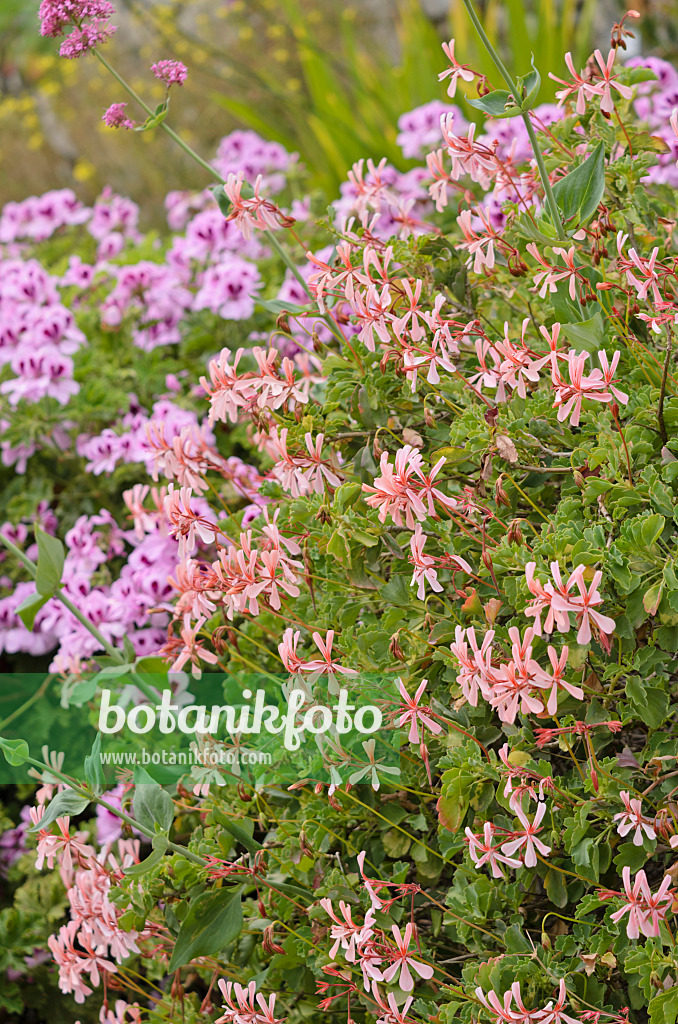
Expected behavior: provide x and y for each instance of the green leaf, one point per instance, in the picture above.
(29, 608)
(663, 1009)
(396, 843)
(579, 192)
(652, 597)
(530, 86)
(213, 920)
(152, 806)
(453, 802)
(499, 103)
(50, 562)
(649, 702)
(556, 890)
(652, 528)
(238, 832)
(94, 774)
(279, 306)
(83, 692)
(159, 845)
(222, 200)
(16, 751)
(65, 803)
(587, 336)
(587, 858)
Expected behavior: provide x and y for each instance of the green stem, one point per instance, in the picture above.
(84, 792)
(513, 89)
(113, 652)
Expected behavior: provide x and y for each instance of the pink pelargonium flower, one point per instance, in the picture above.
(482, 851)
(527, 837)
(403, 960)
(633, 819)
(455, 71)
(609, 82)
(187, 647)
(413, 713)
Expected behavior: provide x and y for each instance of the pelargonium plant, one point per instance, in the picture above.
(428, 438)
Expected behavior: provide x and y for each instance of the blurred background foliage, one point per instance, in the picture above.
(326, 78)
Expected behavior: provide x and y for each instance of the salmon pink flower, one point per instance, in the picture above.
(402, 960)
(527, 837)
(455, 70)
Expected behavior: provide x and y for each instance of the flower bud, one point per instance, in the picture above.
(282, 324)
(395, 648)
(243, 793)
(429, 418)
(304, 845)
(377, 450)
(500, 495)
(515, 534)
(268, 943)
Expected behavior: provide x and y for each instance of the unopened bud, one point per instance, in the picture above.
(377, 450)
(594, 779)
(395, 648)
(579, 479)
(487, 561)
(317, 343)
(323, 515)
(243, 793)
(500, 495)
(282, 324)
(304, 845)
(515, 534)
(222, 638)
(318, 788)
(262, 908)
(268, 943)
(334, 804)
(429, 418)
(545, 941)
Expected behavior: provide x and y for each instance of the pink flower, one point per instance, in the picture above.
(455, 71)
(527, 837)
(482, 851)
(424, 565)
(403, 960)
(87, 18)
(412, 713)
(171, 72)
(185, 524)
(584, 606)
(115, 116)
(556, 681)
(476, 671)
(608, 83)
(240, 1006)
(390, 1012)
(646, 910)
(327, 665)
(583, 88)
(187, 647)
(632, 818)
(345, 932)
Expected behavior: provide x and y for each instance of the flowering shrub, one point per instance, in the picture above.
(434, 445)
